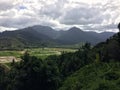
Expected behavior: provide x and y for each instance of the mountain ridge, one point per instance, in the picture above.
(44, 36)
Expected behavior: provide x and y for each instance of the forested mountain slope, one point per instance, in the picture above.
(37, 36)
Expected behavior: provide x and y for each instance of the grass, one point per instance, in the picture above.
(45, 52)
(38, 52)
(11, 53)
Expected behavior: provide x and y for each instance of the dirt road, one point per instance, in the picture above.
(8, 59)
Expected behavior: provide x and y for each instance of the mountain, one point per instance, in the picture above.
(44, 36)
(72, 36)
(75, 35)
(48, 31)
(103, 35)
(26, 37)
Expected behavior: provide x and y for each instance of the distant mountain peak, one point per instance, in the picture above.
(38, 34)
(42, 27)
(75, 29)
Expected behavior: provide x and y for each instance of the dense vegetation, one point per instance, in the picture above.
(100, 76)
(89, 68)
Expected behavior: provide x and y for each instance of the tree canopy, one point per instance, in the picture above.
(119, 26)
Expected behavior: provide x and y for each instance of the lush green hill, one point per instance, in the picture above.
(10, 43)
(109, 50)
(103, 73)
(97, 76)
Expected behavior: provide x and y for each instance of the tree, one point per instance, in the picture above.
(119, 32)
(119, 26)
(13, 62)
(2, 74)
(34, 74)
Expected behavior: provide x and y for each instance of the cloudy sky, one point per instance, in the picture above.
(93, 15)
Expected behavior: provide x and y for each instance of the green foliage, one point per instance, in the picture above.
(88, 68)
(1, 77)
(97, 60)
(119, 26)
(33, 74)
(11, 53)
(109, 50)
(102, 76)
(98, 76)
(70, 62)
(9, 43)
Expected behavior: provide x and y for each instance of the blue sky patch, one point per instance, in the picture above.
(22, 7)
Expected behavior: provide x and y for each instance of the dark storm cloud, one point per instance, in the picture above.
(82, 16)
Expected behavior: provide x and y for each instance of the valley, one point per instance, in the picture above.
(59, 45)
(8, 56)
(40, 56)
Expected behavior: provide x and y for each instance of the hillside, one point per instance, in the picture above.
(110, 49)
(102, 76)
(26, 37)
(103, 73)
(48, 31)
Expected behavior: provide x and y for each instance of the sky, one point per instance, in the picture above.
(89, 15)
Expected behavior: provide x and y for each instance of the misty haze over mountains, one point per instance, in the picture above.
(43, 35)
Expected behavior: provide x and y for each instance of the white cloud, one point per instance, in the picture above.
(91, 15)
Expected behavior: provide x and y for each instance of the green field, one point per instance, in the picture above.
(39, 52)
(11, 53)
(45, 52)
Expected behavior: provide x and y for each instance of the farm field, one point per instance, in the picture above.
(8, 56)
